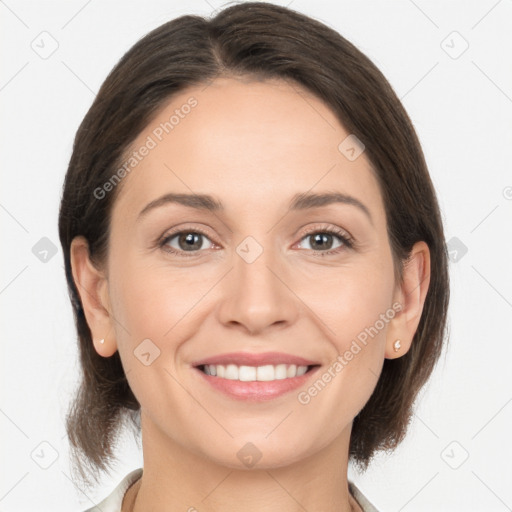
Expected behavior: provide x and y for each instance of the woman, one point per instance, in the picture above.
(257, 265)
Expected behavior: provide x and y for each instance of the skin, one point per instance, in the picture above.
(253, 145)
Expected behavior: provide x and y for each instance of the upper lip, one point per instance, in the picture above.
(251, 359)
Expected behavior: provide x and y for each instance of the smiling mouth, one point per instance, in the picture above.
(265, 373)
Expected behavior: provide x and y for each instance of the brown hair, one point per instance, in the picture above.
(260, 40)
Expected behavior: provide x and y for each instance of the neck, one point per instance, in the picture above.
(175, 478)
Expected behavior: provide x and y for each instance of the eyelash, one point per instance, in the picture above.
(347, 241)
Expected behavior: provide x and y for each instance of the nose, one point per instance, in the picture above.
(256, 294)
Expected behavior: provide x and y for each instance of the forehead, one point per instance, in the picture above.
(252, 143)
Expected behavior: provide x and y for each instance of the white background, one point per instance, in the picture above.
(462, 110)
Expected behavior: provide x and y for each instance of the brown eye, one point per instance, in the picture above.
(323, 241)
(320, 241)
(184, 241)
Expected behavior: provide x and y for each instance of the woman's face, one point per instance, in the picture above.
(258, 282)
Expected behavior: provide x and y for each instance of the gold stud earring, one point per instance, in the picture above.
(397, 345)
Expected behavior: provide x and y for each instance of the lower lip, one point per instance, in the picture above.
(257, 391)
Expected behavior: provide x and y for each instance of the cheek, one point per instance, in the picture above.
(151, 302)
(152, 299)
(355, 313)
(159, 303)
(354, 310)
(349, 299)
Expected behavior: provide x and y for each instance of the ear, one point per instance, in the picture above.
(410, 294)
(92, 287)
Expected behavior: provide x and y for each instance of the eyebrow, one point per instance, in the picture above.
(302, 201)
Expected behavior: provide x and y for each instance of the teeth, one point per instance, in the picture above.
(231, 372)
(247, 373)
(255, 373)
(265, 373)
(292, 371)
(301, 370)
(280, 371)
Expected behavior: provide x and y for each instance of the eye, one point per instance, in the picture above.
(321, 241)
(182, 242)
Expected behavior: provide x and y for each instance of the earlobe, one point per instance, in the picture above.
(411, 295)
(92, 287)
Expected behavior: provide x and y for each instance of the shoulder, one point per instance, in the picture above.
(361, 499)
(113, 502)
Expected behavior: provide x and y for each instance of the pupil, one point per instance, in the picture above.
(323, 237)
(191, 241)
